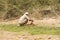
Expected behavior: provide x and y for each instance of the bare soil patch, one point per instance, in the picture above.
(45, 21)
(5, 35)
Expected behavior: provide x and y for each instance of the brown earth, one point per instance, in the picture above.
(45, 21)
(5, 35)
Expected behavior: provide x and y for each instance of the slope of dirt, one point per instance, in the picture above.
(4, 35)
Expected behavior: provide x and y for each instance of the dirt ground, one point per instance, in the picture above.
(45, 21)
(5, 35)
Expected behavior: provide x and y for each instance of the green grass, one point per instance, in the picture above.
(32, 29)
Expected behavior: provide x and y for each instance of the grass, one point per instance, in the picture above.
(32, 29)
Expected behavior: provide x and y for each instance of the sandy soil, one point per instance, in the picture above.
(45, 21)
(4, 35)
